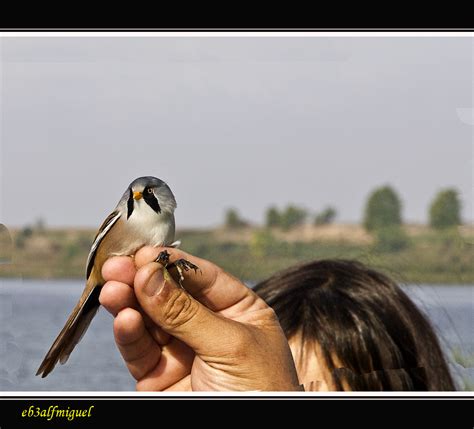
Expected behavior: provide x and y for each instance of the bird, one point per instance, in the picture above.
(143, 216)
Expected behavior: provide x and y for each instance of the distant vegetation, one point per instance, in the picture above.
(420, 255)
(445, 210)
(233, 219)
(272, 217)
(292, 216)
(6, 245)
(326, 217)
(383, 217)
(287, 218)
(383, 209)
(442, 253)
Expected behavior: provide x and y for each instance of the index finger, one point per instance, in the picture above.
(210, 285)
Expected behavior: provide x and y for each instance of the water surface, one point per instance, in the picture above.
(32, 312)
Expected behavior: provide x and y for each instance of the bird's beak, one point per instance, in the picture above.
(137, 196)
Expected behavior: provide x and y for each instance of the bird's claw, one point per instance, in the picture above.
(181, 265)
(163, 258)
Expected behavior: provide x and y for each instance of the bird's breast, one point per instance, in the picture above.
(146, 228)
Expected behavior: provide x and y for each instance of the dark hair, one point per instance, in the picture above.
(362, 319)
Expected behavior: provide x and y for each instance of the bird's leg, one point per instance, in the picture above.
(163, 258)
(181, 265)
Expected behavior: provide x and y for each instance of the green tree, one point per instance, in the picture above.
(445, 210)
(391, 239)
(383, 209)
(272, 217)
(233, 219)
(326, 216)
(292, 216)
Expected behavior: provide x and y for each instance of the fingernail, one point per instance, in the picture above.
(155, 283)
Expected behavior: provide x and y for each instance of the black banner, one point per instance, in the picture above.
(371, 412)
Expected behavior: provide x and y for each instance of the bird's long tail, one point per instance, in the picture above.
(73, 330)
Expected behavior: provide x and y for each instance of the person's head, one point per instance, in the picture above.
(352, 328)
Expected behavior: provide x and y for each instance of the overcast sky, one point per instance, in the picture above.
(243, 122)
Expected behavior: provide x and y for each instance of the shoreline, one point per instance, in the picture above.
(424, 256)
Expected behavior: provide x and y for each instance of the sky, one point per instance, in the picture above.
(243, 122)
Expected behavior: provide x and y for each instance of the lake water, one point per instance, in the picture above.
(32, 312)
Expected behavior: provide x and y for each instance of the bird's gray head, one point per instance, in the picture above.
(151, 191)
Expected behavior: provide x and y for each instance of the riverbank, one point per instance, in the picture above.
(423, 256)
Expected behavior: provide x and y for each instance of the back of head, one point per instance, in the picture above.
(370, 335)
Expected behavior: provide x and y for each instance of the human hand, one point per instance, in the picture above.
(219, 335)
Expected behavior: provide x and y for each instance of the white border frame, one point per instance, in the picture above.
(264, 33)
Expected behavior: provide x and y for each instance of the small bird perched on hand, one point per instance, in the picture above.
(143, 216)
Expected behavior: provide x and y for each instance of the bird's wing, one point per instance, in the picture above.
(103, 230)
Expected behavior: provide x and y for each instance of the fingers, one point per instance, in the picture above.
(207, 272)
(119, 268)
(115, 296)
(153, 367)
(178, 313)
(174, 366)
(137, 336)
(213, 287)
(183, 385)
(147, 254)
(140, 352)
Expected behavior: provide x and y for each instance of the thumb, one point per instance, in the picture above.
(178, 313)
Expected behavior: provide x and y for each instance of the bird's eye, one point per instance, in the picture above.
(150, 190)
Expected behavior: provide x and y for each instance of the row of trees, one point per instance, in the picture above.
(285, 219)
(293, 216)
(383, 210)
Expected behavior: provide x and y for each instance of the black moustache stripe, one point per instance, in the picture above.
(151, 200)
(130, 204)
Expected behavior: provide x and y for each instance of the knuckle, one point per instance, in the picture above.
(179, 310)
(269, 315)
(242, 343)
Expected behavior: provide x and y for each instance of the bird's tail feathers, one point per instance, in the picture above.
(73, 330)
